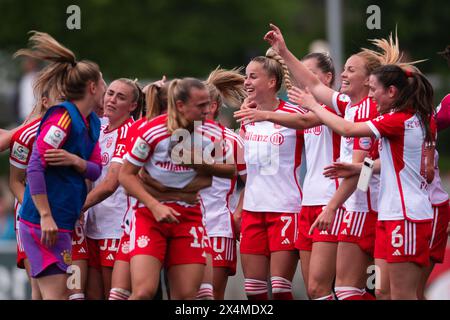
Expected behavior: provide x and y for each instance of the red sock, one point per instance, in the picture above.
(367, 296)
(348, 293)
(282, 296)
(281, 288)
(259, 296)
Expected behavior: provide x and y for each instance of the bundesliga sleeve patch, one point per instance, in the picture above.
(54, 136)
(19, 152)
(365, 143)
(344, 98)
(141, 149)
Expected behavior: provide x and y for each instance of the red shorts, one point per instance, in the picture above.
(224, 253)
(439, 236)
(123, 253)
(170, 243)
(207, 243)
(308, 215)
(359, 228)
(102, 252)
(21, 256)
(403, 241)
(79, 243)
(266, 232)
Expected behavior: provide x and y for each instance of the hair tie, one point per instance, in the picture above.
(408, 74)
(74, 63)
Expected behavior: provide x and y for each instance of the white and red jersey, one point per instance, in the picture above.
(273, 156)
(364, 110)
(403, 189)
(105, 218)
(20, 149)
(220, 199)
(322, 147)
(343, 107)
(154, 145)
(437, 193)
(132, 201)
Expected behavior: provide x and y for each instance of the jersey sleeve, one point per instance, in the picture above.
(293, 108)
(340, 103)
(234, 141)
(121, 145)
(54, 132)
(21, 146)
(140, 150)
(387, 125)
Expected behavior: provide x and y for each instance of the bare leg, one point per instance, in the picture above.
(53, 287)
(404, 279)
(145, 272)
(322, 269)
(185, 280)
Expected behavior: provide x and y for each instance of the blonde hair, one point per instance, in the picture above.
(389, 52)
(64, 75)
(155, 100)
(414, 90)
(226, 87)
(275, 66)
(180, 90)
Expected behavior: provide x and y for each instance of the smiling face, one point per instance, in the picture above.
(355, 80)
(197, 107)
(258, 83)
(118, 101)
(384, 97)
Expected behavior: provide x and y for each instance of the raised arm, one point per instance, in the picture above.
(337, 124)
(300, 73)
(294, 121)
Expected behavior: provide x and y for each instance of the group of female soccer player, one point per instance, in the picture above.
(115, 184)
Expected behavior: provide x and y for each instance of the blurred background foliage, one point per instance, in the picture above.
(145, 39)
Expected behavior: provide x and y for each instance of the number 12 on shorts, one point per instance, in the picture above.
(195, 242)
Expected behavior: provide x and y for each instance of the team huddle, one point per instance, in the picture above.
(115, 184)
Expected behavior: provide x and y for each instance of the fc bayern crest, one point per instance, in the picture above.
(109, 142)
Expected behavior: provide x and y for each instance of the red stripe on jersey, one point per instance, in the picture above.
(26, 133)
(298, 158)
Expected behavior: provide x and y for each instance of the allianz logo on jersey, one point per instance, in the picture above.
(315, 130)
(170, 166)
(276, 138)
(412, 124)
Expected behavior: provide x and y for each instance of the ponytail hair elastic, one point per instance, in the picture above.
(408, 74)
